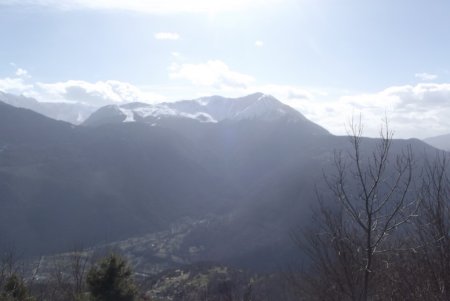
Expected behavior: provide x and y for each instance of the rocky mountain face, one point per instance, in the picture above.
(209, 179)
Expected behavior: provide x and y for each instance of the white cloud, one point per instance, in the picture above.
(22, 73)
(214, 73)
(259, 43)
(17, 83)
(147, 6)
(426, 76)
(420, 110)
(14, 85)
(98, 93)
(167, 36)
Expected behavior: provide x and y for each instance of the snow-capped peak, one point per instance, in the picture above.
(209, 110)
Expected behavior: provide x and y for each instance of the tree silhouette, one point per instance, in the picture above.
(15, 289)
(111, 280)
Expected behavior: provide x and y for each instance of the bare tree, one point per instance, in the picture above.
(430, 261)
(61, 277)
(332, 272)
(79, 260)
(369, 201)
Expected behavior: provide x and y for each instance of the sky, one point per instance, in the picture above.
(329, 59)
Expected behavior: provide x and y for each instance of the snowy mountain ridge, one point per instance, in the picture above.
(211, 109)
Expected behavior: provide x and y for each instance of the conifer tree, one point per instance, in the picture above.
(111, 280)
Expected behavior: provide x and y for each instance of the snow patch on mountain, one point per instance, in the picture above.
(200, 116)
(129, 115)
(132, 112)
(155, 111)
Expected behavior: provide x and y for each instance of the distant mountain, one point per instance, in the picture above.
(25, 127)
(214, 109)
(441, 142)
(74, 113)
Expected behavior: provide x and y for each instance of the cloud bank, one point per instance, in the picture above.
(420, 110)
(96, 94)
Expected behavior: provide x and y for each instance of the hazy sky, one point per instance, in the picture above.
(327, 58)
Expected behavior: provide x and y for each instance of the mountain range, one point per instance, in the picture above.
(74, 113)
(238, 174)
(205, 110)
